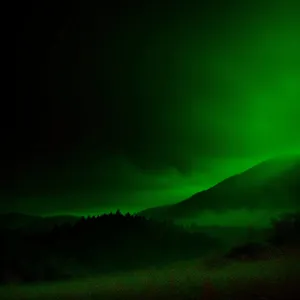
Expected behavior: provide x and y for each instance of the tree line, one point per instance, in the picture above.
(105, 243)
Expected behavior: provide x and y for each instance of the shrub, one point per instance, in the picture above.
(286, 230)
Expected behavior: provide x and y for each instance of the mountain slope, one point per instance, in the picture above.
(274, 183)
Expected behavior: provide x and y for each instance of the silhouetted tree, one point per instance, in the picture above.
(104, 243)
(286, 229)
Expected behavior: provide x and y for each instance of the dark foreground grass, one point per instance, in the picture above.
(273, 279)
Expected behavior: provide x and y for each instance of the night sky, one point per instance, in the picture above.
(131, 105)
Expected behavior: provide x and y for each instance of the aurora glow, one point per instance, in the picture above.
(176, 101)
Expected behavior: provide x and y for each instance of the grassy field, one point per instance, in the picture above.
(273, 279)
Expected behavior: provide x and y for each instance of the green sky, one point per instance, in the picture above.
(149, 105)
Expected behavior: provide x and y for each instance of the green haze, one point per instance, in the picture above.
(194, 95)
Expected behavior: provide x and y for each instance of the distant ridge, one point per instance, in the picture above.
(33, 223)
(276, 180)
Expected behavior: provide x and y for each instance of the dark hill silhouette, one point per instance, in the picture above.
(97, 244)
(272, 182)
(31, 223)
(17, 220)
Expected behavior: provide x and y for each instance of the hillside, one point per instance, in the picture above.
(274, 183)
